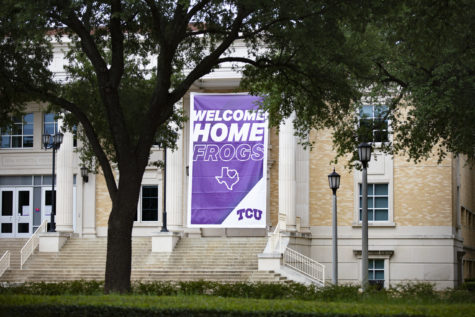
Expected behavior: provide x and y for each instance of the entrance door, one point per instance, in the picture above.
(47, 205)
(16, 212)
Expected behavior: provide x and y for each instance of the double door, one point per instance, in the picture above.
(16, 212)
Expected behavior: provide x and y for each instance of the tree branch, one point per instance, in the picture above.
(390, 77)
(90, 133)
(117, 42)
(156, 20)
(209, 61)
(199, 6)
(87, 44)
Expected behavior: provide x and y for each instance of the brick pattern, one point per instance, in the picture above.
(274, 177)
(320, 194)
(103, 202)
(422, 192)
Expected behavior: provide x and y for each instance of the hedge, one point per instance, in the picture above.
(420, 293)
(135, 305)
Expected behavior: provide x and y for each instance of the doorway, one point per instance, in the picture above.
(16, 210)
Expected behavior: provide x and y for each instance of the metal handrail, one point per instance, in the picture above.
(5, 262)
(305, 265)
(32, 243)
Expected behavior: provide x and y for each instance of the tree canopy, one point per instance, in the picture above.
(417, 58)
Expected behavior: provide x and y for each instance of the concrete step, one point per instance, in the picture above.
(220, 259)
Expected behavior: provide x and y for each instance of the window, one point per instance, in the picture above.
(148, 210)
(378, 205)
(19, 134)
(374, 123)
(50, 125)
(376, 272)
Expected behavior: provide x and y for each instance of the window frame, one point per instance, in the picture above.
(9, 133)
(373, 118)
(356, 212)
(376, 255)
(374, 196)
(139, 219)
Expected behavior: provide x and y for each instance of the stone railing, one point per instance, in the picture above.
(5, 262)
(31, 245)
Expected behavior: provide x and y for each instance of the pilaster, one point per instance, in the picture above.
(64, 189)
(287, 180)
(175, 186)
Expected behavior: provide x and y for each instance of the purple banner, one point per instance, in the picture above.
(228, 161)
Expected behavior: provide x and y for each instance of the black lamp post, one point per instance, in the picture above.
(364, 153)
(52, 142)
(164, 213)
(334, 182)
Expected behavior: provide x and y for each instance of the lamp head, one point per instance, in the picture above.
(84, 174)
(364, 153)
(334, 181)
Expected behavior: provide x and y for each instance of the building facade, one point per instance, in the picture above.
(421, 216)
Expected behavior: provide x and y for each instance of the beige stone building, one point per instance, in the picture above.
(422, 216)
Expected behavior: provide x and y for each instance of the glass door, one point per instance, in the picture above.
(47, 204)
(24, 214)
(16, 212)
(7, 220)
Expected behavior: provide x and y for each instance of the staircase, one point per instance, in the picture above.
(14, 246)
(211, 259)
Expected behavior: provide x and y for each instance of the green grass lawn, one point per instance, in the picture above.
(182, 305)
(204, 298)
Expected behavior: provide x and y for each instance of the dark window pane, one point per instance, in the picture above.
(17, 141)
(17, 129)
(28, 118)
(28, 129)
(7, 228)
(379, 275)
(379, 264)
(48, 200)
(381, 215)
(381, 202)
(380, 136)
(370, 189)
(6, 141)
(381, 189)
(366, 111)
(49, 117)
(149, 215)
(149, 203)
(150, 191)
(370, 215)
(7, 203)
(28, 141)
(23, 228)
(23, 200)
(49, 129)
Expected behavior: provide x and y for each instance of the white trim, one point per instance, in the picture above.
(386, 177)
(384, 257)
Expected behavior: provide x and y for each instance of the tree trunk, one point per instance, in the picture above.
(119, 239)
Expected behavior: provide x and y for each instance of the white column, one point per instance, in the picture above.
(64, 188)
(302, 185)
(89, 207)
(287, 184)
(175, 190)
